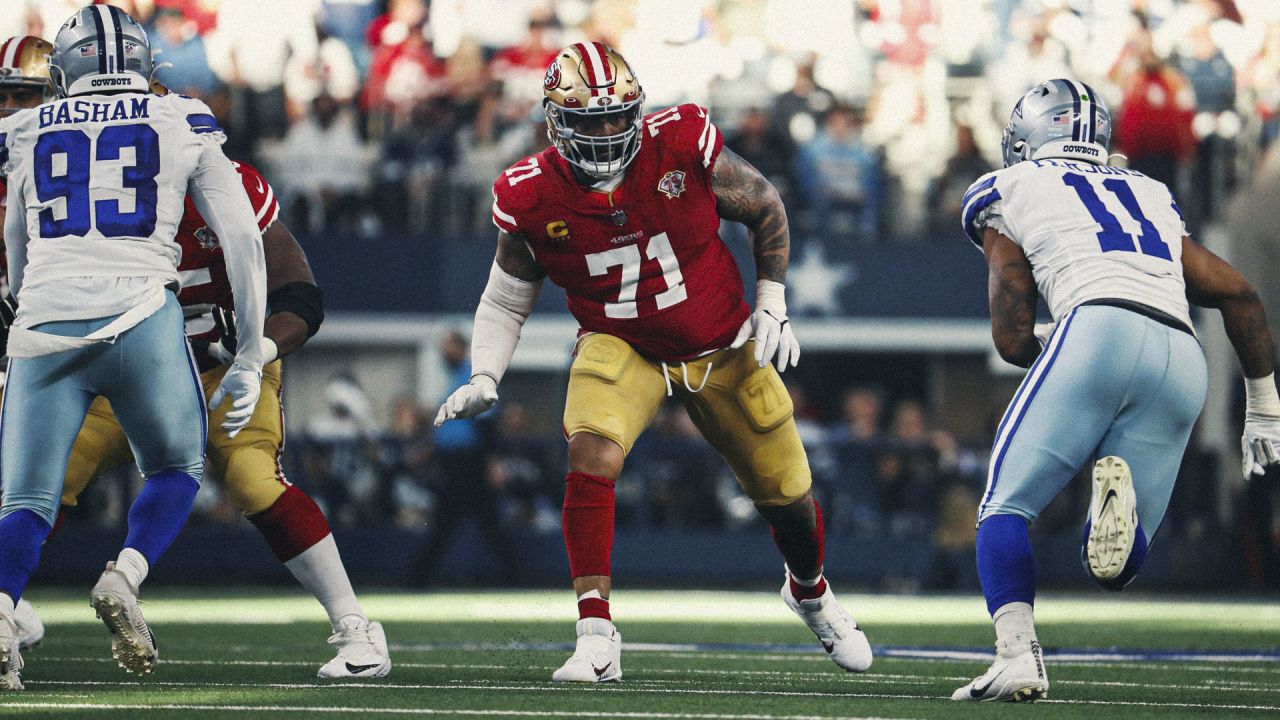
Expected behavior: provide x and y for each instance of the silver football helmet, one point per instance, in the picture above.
(100, 49)
(1058, 119)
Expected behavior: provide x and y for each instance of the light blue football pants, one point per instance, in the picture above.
(1110, 382)
(147, 374)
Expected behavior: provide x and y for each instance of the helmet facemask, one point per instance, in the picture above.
(600, 156)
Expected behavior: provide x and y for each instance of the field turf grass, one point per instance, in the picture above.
(695, 655)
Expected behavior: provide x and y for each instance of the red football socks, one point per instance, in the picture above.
(292, 524)
(592, 605)
(587, 523)
(804, 550)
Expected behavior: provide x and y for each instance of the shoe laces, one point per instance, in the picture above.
(355, 633)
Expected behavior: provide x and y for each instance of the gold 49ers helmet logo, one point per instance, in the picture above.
(672, 184)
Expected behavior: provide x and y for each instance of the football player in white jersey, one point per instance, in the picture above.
(1118, 378)
(96, 188)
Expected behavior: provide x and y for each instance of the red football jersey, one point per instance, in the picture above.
(203, 270)
(643, 262)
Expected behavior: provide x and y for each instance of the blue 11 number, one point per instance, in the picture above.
(1112, 236)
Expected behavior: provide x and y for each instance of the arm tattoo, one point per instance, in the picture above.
(516, 259)
(744, 195)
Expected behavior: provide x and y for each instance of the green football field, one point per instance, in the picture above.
(712, 655)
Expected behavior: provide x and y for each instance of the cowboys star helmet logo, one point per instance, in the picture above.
(672, 184)
(208, 239)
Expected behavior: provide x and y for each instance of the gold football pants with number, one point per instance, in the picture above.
(249, 463)
(742, 409)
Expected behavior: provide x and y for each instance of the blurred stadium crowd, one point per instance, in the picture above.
(871, 117)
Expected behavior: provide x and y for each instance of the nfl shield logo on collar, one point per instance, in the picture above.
(672, 184)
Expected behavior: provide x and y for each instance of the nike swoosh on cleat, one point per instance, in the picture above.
(600, 671)
(976, 692)
(829, 647)
(355, 669)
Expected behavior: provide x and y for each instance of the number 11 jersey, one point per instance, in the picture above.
(644, 261)
(1090, 232)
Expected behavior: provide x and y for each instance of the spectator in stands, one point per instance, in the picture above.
(679, 472)
(520, 68)
(768, 147)
(839, 176)
(462, 450)
(401, 20)
(946, 191)
(336, 451)
(322, 167)
(404, 463)
(346, 21)
(525, 471)
(184, 66)
(855, 444)
(1259, 79)
(1153, 125)
(804, 106)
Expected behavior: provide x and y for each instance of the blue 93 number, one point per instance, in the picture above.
(62, 163)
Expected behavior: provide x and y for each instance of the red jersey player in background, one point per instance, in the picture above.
(248, 463)
(623, 212)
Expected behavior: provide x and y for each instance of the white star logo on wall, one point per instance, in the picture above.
(813, 283)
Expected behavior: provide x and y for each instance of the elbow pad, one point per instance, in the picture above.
(302, 299)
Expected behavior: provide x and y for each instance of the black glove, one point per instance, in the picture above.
(224, 350)
(8, 311)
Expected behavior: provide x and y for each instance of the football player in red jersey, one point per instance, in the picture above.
(248, 463)
(623, 212)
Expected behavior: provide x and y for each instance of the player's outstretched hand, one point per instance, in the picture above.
(242, 385)
(469, 400)
(1260, 445)
(770, 328)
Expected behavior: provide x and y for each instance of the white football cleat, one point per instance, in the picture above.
(840, 636)
(598, 656)
(10, 655)
(1017, 675)
(30, 629)
(1113, 518)
(116, 602)
(362, 650)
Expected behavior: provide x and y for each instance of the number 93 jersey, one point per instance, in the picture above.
(103, 178)
(1090, 232)
(644, 261)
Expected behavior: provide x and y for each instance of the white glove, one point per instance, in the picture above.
(224, 350)
(469, 400)
(1260, 444)
(1044, 331)
(770, 327)
(242, 385)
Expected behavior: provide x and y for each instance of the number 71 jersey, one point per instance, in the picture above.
(644, 261)
(1090, 232)
(103, 179)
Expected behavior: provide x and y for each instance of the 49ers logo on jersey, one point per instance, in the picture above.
(208, 238)
(672, 184)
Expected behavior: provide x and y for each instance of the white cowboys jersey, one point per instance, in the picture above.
(96, 193)
(1090, 232)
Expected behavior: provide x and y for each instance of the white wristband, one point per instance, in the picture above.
(771, 297)
(1260, 397)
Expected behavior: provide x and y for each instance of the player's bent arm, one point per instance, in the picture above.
(1214, 283)
(1011, 291)
(514, 282)
(295, 302)
(218, 193)
(15, 245)
(744, 195)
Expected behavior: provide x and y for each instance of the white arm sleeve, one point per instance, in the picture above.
(15, 238)
(504, 306)
(219, 195)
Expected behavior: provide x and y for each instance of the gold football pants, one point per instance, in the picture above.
(248, 464)
(742, 409)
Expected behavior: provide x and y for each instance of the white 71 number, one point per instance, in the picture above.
(628, 257)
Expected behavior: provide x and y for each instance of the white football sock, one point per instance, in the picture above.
(319, 569)
(134, 566)
(6, 605)
(1015, 624)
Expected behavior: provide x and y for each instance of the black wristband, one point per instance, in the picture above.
(302, 299)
